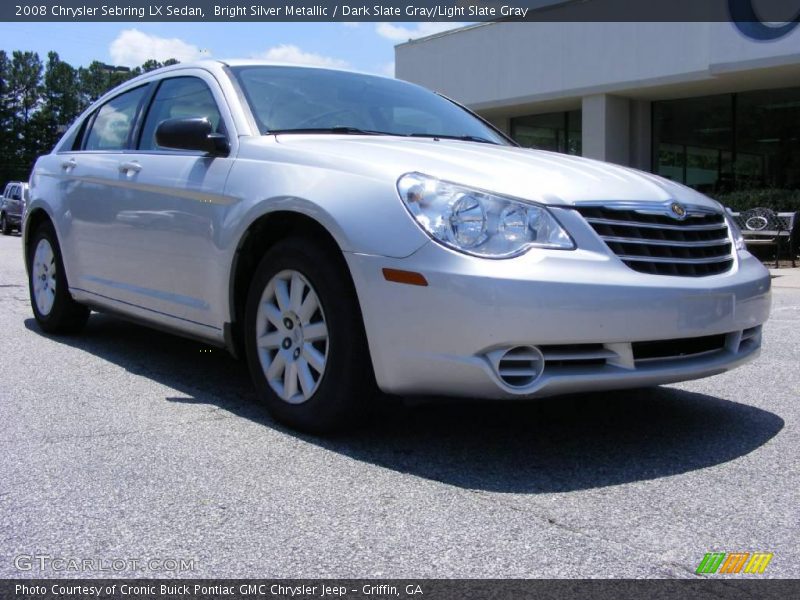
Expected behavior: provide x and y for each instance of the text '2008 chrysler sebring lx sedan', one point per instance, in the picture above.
(346, 231)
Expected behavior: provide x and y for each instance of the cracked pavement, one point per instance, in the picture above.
(124, 442)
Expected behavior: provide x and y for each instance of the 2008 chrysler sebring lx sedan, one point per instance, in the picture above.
(346, 232)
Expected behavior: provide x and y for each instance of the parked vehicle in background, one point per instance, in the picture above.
(12, 205)
(347, 231)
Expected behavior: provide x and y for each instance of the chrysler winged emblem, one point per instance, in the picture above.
(678, 211)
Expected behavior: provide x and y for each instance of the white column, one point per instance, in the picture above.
(607, 128)
(641, 135)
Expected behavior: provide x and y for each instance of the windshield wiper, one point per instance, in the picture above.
(466, 138)
(335, 130)
(357, 131)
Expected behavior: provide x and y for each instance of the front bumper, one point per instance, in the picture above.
(444, 339)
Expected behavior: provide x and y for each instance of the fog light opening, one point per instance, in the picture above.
(520, 366)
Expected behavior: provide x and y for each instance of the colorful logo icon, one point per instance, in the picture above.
(734, 562)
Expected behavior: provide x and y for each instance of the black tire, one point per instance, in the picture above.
(66, 316)
(5, 226)
(347, 386)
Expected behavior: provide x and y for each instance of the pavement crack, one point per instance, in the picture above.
(487, 497)
(111, 434)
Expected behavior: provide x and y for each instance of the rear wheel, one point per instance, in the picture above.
(305, 340)
(53, 307)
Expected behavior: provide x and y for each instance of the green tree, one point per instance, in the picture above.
(94, 81)
(38, 102)
(152, 64)
(25, 91)
(7, 142)
(98, 78)
(61, 102)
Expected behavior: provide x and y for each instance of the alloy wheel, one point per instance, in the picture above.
(43, 273)
(292, 336)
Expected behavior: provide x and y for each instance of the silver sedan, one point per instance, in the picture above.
(348, 233)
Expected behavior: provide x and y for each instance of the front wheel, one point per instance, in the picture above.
(305, 340)
(53, 307)
(5, 226)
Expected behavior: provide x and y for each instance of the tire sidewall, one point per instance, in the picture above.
(341, 392)
(50, 321)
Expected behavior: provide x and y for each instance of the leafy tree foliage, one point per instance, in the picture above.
(24, 92)
(39, 101)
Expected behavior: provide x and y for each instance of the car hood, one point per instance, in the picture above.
(537, 175)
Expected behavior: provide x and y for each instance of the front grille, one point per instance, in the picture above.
(575, 355)
(680, 348)
(661, 245)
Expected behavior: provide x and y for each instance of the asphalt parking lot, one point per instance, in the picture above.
(128, 443)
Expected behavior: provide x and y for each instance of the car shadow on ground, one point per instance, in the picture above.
(551, 445)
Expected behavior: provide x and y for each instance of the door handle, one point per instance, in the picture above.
(128, 167)
(68, 164)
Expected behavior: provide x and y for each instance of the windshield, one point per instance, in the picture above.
(290, 99)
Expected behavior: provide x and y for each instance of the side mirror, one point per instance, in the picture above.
(191, 134)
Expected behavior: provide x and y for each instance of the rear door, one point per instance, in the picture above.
(90, 180)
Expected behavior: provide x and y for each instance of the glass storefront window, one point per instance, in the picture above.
(690, 137)
(558, 131)
(768, 139)
(729, 142)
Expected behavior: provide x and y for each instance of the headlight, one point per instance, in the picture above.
(477, 222)
(736, 233)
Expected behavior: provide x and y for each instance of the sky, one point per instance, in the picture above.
(365, 47)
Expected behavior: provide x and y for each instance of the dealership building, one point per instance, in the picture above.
(703, 103)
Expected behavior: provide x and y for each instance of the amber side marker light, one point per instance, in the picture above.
(409, 277)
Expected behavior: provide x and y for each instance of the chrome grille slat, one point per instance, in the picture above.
(649, 242)
(657, 225)
(650, 239)
(682, 261)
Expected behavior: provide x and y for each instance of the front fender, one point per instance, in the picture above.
(362, 213)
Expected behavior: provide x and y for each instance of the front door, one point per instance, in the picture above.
(168, 207)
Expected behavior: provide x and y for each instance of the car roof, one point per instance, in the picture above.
(216, 64)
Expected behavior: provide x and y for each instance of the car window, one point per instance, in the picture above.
(289, 98)
(15, 193)
(177, 98)
(111, 126)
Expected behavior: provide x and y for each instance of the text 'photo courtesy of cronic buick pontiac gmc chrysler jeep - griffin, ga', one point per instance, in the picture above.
(349, 233)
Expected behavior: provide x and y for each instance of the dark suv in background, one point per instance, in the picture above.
(12, 205)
